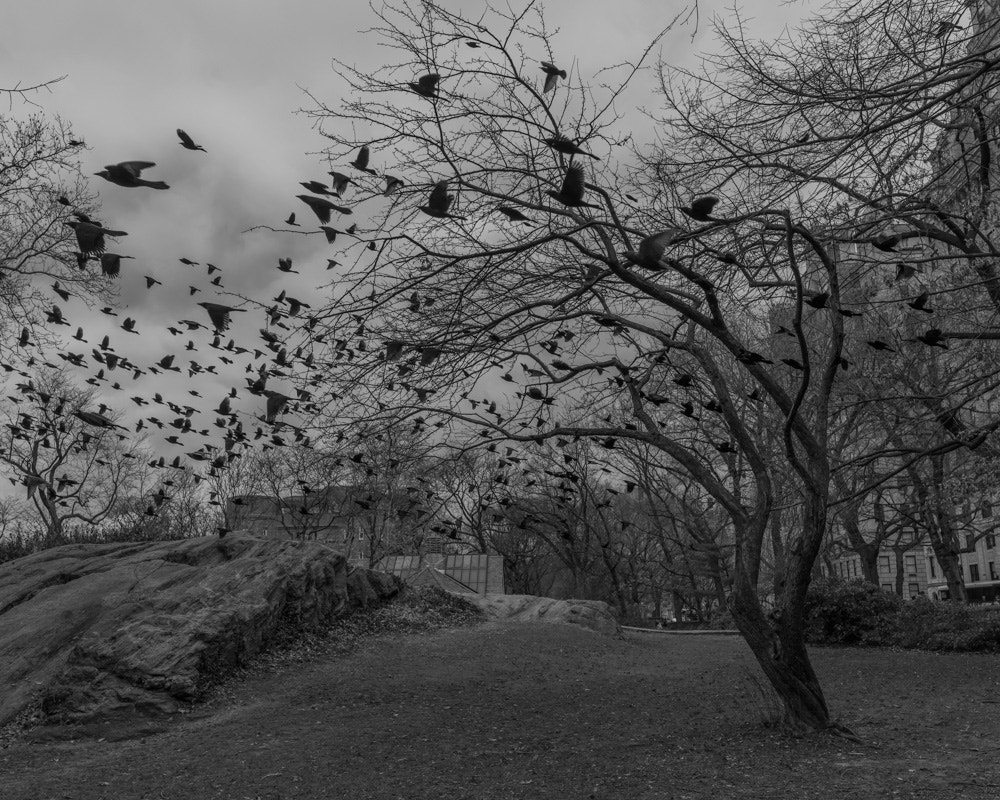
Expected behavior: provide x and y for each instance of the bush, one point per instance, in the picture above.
(848, 612)
(926, 625)
(859, 613)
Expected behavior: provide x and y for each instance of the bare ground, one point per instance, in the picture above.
(529, 710)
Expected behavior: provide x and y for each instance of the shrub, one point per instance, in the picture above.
(848, 612)
(926, 625)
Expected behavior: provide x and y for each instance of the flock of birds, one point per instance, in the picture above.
(272, 359)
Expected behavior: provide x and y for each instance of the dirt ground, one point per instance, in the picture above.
(504, 711)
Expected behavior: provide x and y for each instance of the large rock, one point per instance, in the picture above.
(593, 614)
(95, 629)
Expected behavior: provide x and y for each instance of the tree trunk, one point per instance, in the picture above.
(782, 656)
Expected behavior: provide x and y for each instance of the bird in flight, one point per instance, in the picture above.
(563, 144)
(360, 161)
(652, 248)
(701, 208)
(188, 142)
(90, 236)
(552, 75)
(439, 202)
(572, 191)
(322, 207)
(127, 174)
(219, 314)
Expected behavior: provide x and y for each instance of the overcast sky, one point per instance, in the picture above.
(229, 72)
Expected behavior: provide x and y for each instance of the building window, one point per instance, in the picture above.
(993, 571)
(930, 563)
(913, 589)
(991, 541)
(887, 588)
(973, 572)
(885, 563)
(911, 566)
(970, 541)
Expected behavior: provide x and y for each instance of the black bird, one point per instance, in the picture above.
(887, 244)
(392, 185)
(219, 314)
(904, 271)
(512, 214)
(340, 183)
(652, 248)
(565, 145)
(95, 419)
(701, 208)
(573, 188)
(291, 220)
(878, 344)
(127, 174)
(920, 303)
(932, 338)
(276, 404)
(90, 236)
(552, 75)
(188, 142)
(818, 300)
(361, 160)
(427, 85)
(111, 264)
(322, 207)
(439, 202)
(317, 187)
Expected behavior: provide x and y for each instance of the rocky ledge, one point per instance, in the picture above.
(91, 631)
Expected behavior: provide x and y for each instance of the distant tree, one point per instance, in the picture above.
(75, 472)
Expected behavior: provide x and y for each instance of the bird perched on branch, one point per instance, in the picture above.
(90, 236)
(439, 202)
(219, 314)
(573, 189)
(652, 248)
(565, 145)
(322, 207)
(127, 174)
(552, 75)
(426, 85)
(188, 143)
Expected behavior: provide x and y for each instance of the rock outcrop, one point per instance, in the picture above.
(97, 629)
(593, 614)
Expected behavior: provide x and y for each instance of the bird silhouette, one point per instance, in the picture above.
(701, 208)
(340, 183)
(111, 264)
(919, 303)
(126, 173)
(552, 75)
(360, 161)
(573, 189)
(512, 214)
(392, 185)
(219, 313)
(887, 244)
(90, 236)
(426, 85)
(291, 220)
(652, 248)
(565, 145)
(188, 142)
(439, 202)
(932, 338)
(322, 207)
